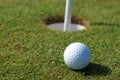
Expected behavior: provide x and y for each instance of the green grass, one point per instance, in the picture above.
(30, 51)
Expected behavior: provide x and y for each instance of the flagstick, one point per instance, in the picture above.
(68, 11)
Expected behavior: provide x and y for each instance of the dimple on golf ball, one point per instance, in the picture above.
(77, 56)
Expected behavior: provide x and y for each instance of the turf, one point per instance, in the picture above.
(31, 51)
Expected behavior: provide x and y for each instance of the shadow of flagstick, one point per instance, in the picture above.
(105, 24)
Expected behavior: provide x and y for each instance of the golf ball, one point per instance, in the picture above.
(77, 56)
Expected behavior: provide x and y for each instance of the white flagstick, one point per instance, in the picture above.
(68, 11)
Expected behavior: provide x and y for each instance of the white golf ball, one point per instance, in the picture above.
(77, 56)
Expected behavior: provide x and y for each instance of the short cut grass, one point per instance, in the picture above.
(30, 51)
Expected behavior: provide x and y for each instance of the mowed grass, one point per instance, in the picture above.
(30, 51)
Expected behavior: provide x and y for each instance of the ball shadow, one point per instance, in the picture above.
(95, 70)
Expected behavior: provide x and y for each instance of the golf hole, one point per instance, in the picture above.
(57, 23)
